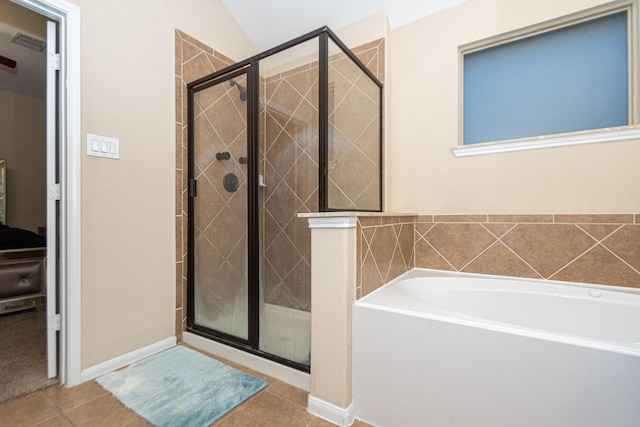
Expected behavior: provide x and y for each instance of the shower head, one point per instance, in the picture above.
(241, 89)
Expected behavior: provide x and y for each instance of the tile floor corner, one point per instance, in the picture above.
(88, 404)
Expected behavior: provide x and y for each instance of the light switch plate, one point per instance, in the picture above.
(103, 146)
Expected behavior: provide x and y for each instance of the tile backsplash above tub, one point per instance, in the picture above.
(602, 249)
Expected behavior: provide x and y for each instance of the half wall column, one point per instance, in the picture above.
(333, 284)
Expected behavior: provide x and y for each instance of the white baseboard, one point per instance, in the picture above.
(127, 359)
(283, 373)
(331, 412)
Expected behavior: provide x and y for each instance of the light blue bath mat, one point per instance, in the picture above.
(181, 387)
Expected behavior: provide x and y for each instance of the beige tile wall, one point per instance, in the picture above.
(601, 249)
(289, 166)
(290, 137)
(193, 60)
(354, 134)
(290, 163)
(385, 250)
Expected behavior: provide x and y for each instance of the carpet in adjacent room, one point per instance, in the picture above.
(181, 387)
(23, 353)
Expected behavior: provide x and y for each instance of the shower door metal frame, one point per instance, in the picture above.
(325, 34)
(250, 67)
(253, 242)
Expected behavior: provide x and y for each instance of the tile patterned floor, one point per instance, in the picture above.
(88, 404)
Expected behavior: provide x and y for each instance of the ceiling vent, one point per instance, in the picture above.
(29, 42)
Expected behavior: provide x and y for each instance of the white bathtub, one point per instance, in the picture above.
(441, 349)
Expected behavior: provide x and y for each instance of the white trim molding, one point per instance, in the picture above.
(69, 100)
(607, 135)
(127, 359)
(333, 222)
(331, 412)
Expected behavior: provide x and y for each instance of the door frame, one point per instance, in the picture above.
(253, 249)
(70, 148)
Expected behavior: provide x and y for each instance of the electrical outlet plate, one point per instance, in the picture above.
(103, 146)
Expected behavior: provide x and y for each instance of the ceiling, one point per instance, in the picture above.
(270, 23)
(267, 23)
(29, 76)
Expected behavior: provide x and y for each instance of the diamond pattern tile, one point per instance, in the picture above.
(283, 204)
(353, 132)
(498, 230)
(599, 231)
(279, 255)
(592, 252)
(290, 171)
(371, 277)
(303, 177)
(428, 257)
(354, 113)
(459, 243)
(354, 173)
(208, 261)
(283, 153)
(283, 102)
(499, 260)
(207, 142)
(292, 182)
(383, 246)
(227, 231)
(298, 283)
(548, 247)
(599, 266)
(626, 244)
(226, 119)
(207, 206)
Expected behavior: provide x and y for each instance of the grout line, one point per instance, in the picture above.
(605, 237)
(516, 254)
(503, 234)
(521, 259)
(620, 258)
(441, 256)
(575, 258)
(477, 256)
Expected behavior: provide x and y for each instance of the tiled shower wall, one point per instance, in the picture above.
(354, 134)
(385, 250)
(291, 167)
(193, 60)
(601, 249)
(286, 277)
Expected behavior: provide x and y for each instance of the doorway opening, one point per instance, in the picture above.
(62, 187)
(25, 283)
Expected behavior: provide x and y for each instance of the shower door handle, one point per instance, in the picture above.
(193, 188)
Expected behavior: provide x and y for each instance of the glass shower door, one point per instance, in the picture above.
(220, 208)
(289, 119)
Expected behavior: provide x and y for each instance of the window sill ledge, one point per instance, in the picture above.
(590, 137)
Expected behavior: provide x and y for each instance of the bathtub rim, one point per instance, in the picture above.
(465, 320)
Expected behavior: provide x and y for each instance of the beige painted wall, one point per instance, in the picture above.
(428, 178)
(128, 222)
(333, 278)
(23, 146)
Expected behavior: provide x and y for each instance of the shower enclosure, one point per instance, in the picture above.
(294, 129)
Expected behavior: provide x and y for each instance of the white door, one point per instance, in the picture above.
(53, 197)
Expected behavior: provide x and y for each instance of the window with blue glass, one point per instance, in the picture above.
(568, 79)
